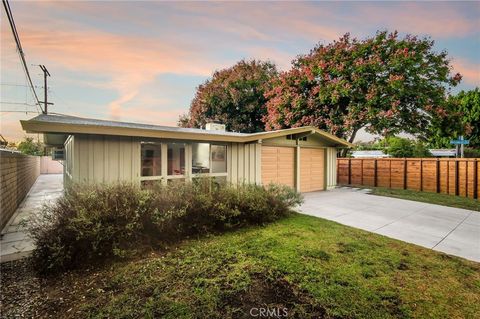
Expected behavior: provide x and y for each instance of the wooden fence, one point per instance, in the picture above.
(449, 176)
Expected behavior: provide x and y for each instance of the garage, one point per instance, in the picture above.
(312, 169)
(278, 165)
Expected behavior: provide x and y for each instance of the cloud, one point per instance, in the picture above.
(439, 20)
(129, 61)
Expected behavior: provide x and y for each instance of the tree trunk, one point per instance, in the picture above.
(350, 140)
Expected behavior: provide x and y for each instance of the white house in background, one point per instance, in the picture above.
(98, 151)
(443, 152)
(369, 154)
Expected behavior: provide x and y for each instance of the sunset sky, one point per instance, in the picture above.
(141, 61)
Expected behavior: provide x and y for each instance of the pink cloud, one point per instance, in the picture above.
(440, 19)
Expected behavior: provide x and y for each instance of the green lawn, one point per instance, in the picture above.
(313, 267)
(433, 198)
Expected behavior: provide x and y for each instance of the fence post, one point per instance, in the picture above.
(475, 179)
(349, 171)
(466, 179)
(438, 175)
(375, 173)
(448, 177)
(361, 170)
(421, 175)
(404, 174)
(456, 178)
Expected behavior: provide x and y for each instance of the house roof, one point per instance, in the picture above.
(65, 124)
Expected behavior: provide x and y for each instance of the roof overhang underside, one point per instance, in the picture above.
(53, 128)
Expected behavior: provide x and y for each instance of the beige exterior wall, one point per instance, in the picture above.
(331, 167)
(104, 159)
(18, 172)
(243, 163)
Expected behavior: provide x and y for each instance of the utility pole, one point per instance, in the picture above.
(45, 74)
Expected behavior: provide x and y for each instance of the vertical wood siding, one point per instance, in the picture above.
(243, 165)
(102, 159)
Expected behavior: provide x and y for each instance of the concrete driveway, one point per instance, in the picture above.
(451, 230)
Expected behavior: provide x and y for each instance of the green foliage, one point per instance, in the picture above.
(91, 223)
(233, 96)
(30, 147)
(404, 147)
(462, 117)
(400, 147)
(385, 84)
(472, 152)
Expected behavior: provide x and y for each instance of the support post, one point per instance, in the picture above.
(349, 171)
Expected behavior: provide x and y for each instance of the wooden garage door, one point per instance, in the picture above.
(278, 165)
(312, 164)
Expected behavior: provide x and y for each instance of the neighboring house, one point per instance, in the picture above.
(106, 151)
(369, 154)
(443, 152)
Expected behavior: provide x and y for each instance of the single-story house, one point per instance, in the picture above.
(108, 151)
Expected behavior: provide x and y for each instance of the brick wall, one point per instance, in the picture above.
(18, 172)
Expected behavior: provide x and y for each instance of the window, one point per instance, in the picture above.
(176, 159)
(219, 158)
(208, 158)
(200, 158)
(151, 159)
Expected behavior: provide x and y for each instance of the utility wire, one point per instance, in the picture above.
(20, 50)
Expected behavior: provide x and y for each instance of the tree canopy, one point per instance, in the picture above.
(30, 147)
(463, 119)
(233, 96)
(385, 84)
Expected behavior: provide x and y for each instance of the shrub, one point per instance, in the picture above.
(94, 222)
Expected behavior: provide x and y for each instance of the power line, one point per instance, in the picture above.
(16, 103)
(20, 50)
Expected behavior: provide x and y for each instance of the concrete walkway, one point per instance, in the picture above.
(14, 242)
(454, 231)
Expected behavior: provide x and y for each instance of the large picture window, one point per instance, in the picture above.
(151, 159)
(200, 158)
(207, 158)
(176, 159)
(219, 158)
(163, 162)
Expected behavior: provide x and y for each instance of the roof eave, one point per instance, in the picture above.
(49, 127)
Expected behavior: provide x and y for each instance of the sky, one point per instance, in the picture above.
(142, 61)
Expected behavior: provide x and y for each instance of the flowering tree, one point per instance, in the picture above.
(385, 84)
(464, 119)
(234, 97)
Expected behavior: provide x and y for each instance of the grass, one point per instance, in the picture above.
(427, 197)
(313, 267)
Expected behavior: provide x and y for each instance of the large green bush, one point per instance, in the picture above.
(90, 223)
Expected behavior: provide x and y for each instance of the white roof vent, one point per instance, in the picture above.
(215, 127)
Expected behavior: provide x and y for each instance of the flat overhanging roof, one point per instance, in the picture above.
(65, 124)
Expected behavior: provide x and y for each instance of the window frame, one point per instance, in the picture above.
(153, 177)
(188, 172)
